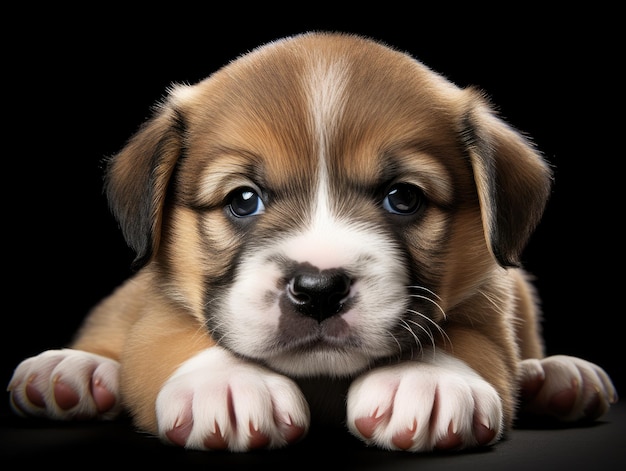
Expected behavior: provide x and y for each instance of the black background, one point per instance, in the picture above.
(77, 84)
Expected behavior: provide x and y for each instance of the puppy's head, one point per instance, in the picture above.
(322, 201)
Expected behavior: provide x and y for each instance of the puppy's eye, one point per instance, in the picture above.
(244, 202)
(403, 198)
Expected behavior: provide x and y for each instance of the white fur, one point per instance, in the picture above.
(251, 322)
(214, 382)
(76, 369)
(326, 84)
(437, 394)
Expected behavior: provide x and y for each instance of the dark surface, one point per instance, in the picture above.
(77, 85)
(597, 446)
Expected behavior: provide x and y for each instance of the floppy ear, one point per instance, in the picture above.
(137, 180)
(512, 178)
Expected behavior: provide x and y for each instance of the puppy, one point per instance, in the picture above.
(325, 231)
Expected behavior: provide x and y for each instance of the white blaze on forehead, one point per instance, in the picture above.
(326, 81)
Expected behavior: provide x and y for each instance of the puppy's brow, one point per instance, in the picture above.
(424, 171)
(224, 172)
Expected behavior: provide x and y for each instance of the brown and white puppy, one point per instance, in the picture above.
(325, 230)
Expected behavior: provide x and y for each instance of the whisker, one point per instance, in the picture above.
(440, 329)
(444, 335)
(397, 343)
(492, 301)
(488, 298)
(443, 313)
(418, 342)
(408, 327)
(423, 288)
(428, 332)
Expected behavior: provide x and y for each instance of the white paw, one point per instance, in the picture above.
(66, 384)
(421, 406)
(565, 387)
(218, 401)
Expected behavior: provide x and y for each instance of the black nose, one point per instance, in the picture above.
(319, 294)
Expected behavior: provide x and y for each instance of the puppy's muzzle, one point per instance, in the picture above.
(319, 294)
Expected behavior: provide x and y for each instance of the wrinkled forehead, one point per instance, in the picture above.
(295, 110)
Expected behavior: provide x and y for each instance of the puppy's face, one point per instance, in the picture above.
(323, 202)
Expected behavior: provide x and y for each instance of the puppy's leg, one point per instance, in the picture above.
(566, 388)
(435, 403)
(218, 401)
(81, 382)
(562, 387)
(66, 384)
(179, 385)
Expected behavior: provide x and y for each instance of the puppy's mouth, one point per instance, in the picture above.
(304, 346)
(303, 320)
(312, 308)
(301, 332)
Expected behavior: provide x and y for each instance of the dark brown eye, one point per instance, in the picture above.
(244, 202)
(403, 199)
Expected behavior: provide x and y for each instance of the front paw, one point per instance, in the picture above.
(66, 384)
(417, 406)
(566, 388)
(218, 401)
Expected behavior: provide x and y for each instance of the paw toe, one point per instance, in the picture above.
(258, 439)
(483, 434)
(216, 440)
(403, 439)
(562, 403)
(367, 425)
(179, 434)
(292, 432)
(105, 400)
(33, 394)
(64, 395)
(450, 441)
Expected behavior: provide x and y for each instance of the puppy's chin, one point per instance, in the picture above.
(320, 361)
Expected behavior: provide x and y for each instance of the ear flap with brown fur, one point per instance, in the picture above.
(513, 180)
(137, 179)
